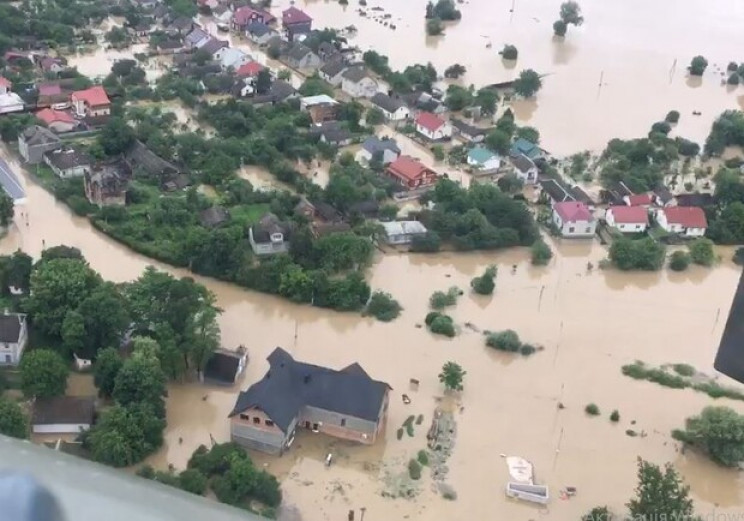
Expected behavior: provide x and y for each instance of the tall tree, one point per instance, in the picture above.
(141, 379)
(106, 368)
(528, 83)
(43, 373)
(660, 494)
(719, 432)
(19, 269)
(13, 422)
(105, 319)
(6, 208)
(452, 376)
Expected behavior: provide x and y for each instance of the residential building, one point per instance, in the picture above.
(525, 168)
(13, 338)
(321, 107)
(51, 65)
(556, 191)
(52, 95)
(305, 209)
(411, 173)
(688, 221)
(574, 219)
(34, 141)
(615, 194)
(63, 414)
(527, 148)
(9, 101)
(259, 33)
(384, 150)
(402, 232)
(225, 367)
(181, 26)
(644, 200)
(269, 236)
(223, 17)
(664, 197)
(246, 15)
(369, 209)
(345, 403)
(231, 58)
(143, 162)
(213, 216)
(334, 133)
(169, 46)
(357, 83)
(433, 127)
(249, 70)
(280, 91)
(328, 52)
(300, 56)
(627, 219)
(332, 72)
(213, 47)
(91, 102)
(107, 184)
(483, 160)
(196, 38)
(467, 132)
(59, 121)
(394, 109)
(701, 200)
(296, 22)
(68, 162)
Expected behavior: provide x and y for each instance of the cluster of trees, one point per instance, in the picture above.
(639, 163)
(481, 217)
(570, 14)
(452, 376)
(736, 73)
(727, 130)
(485, 284)
(443, 10)
(508, 340)
(697, 66)
(412, 78)
(459, 98)
(718, 432)
(726, 218)
(527, 84)
(637, 254)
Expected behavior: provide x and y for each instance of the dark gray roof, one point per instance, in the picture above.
(213, 216)
(196, 35)
(333, 131)
(222, 366)
(522, 162)
(387, 103)
(290, 385)
(170, 44)
(64, 409)
(213, 45)
(268, 225)
(141, 157)
(557, 191)
(298, 51)
(281, 90)
(327, 212)
(664, 194)
(181, 23)
(257, 29)
(36, 135)
(466, 129)
(356, 73)
(10, 183)
(696, 199)
(10, 328)
(368, 208)
(68, 158)
(333, 68)
(374, 145)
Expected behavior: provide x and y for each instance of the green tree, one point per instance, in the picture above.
(19, 269)
(314, 86)
(486, 99)
(527, 84)
(571, 13)
(458, 97)
(125, 435)
(484, 284)
(701, 252)
(141, 379)
(660, 494)
(438, 152)
(507, 340)
(640, 254)
(106, 368)
(383, 306)
(531, 134)
(717, 431)
(116, 137)
(679, 260)
(510, 183)
(540, 253)
(13, 422)
(698, 65)
(509, 52)
(434, 27)
(598, 514)
(263, 81)
(498, 141)
(43, 373)
(452, 376)
(454, 71)
(191, 480)
(374, 116)
(672, 116)
(6, 209)
(559, 28)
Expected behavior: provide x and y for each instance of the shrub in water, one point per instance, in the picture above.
(423, 457)
(383, 306)
(414, 469)
(507, 340)
(443, 325)
(679, 261)
(399, 433)
(592, 409)
(527, 349)
(615, 416)
(684, 369)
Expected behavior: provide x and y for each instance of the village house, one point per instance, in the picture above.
(143, 162)
(247, 15)
(223, 17)
(643, 200)
(334, 133)
(467, 132)
(615, 194)
(664, 197)
(68, 162)
(107, 184)
(688, 221)
(91, 102)
(345, 403)
(383, 150)
(52, 95)
(300, 56)
(259, 33)
(525, 168)
(369, 209)
(59, 121)
(225, 367)
(231, 58)
(411, 173)
(357, 83)
(527, 148)
(249, 70)
(213, 216)
(141, 30)
(321, 107)
(181, 26)
(9, 101)
(63, 414)
(701, 200)
(278, 92)
(433, 127)
(213, 46)
(169, 46)
(296, 22)
(574, 219)
(13, 338)
(394, 109)
(269, 236)
(483, 160)
(402, 232)
(556, 191)
(196, 38)
(332, 72)
(305, 209)
(627, 219)
(327, 51)
(34, 141)
(49, 65)
(424, 101)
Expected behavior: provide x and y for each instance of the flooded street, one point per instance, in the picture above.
(640, 49)
(589, 324)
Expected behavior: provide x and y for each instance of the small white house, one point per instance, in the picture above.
(13, 338)
(393, 108)
(483, 160)
(403, 232)
(574, 219)
(627, 219)
(689, 221)
(356, 82)
(333, 72)
(63, 415)
(68, 162)
(525, 168)
(231, 58)
(433, 127)
(386, 150)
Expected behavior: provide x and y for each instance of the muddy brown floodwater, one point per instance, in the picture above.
(589, 324)
(633, 45)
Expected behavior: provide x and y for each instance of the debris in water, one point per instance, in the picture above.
(406, 399)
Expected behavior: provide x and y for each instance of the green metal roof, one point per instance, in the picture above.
(480, 154)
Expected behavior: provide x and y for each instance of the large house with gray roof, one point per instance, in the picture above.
(345, 403)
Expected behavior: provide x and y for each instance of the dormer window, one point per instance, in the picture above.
(277, 237)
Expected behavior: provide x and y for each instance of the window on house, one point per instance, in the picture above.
(256, 420)
(343, 422)
(269, 423)
(588, 229)
(571, 229)
(245, 417)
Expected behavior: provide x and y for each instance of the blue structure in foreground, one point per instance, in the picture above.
(10, 183)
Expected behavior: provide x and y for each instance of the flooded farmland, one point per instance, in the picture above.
(590, 323)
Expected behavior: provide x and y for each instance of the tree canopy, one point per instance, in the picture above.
(528, 83)
(718, 432)
(452, 376)
(13, 421)
(43, 373)
(660, 494)
(637, 254)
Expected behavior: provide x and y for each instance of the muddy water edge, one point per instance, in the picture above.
(590, 323)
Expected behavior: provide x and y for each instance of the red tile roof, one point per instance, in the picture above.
(295, 16)
(429, 121)
(4, 82)
(407, 168)
(50, 116)
(249, 69)
(243, 15)
(572, 211)
(629, 214)
(94, 96)
(687, 216)
(49, 89)
(640, 199)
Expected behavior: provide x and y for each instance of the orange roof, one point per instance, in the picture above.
(629, 214)
(408, 168)
(94, 96)
(50, 116)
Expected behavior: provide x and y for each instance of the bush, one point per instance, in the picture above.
(592, 409)
(679, 261)
(639, 254)
(698, 65)
(442, 325)
(639, 371)
(684, 369)
(615, 416)
(507, 340)
(559, 28)
(484, 285)
(427, 243)
(672, 116)
(438, 152)
(423, 457)
(733, 79)
(732, 67)
(383, 307)
(191, 480)
(717, 431)
(661, 127)
(414, 469)
(738, 257)
(541, 253)
(701, 252)
(419, 419)
(440, 299)
(527, 349)
(509, 52)
(399, 433)
(434, 27)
